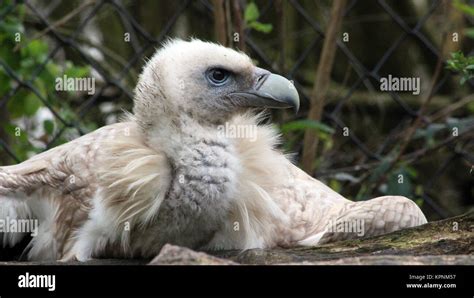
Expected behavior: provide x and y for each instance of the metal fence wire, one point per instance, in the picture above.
(42, 24)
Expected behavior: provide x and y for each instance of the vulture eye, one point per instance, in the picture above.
(218, 76)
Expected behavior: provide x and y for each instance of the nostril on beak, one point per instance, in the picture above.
(260, 80)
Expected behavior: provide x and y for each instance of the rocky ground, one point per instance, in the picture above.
(446, 242)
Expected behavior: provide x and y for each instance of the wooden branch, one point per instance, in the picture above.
(384, 100)
(220, 22)
(228, 22)
(321, 84)
(239, 24)
(282, 34)
(451, 108)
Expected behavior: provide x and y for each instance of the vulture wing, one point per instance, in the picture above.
(330, 217)
(57, 188)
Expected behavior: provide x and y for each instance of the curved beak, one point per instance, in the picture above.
(270, 91)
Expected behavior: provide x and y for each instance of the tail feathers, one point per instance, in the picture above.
(15, 221)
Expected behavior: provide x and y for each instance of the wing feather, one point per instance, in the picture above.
(55, 187)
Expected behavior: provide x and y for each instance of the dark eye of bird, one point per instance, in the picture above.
(218, 76)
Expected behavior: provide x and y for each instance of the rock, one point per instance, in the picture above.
(397, 260)
(176, 255)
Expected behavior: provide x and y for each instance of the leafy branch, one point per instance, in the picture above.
(251, 16)
(462, 64)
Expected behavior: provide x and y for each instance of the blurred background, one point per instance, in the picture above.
(360, 141)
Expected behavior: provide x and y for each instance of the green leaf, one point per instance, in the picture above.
(6, 6)
(32, 104)
(470, 107)
(411, 171)
(77, 71)
(430, 130)
(23, 104)
(335, 185)
(380, 169)
(41, 87)
(306, 124)
(48, 126)
(53, 69)
(419, 202)
(419, 190)
(462, 124)
(36, 49)
(362, 194)
(4, 82)
(399, 183)
(11, 27)
(16, 105)
(9, 128)
(27, 63)
(251, 13)
(462, 65)
(469, 32)
(264, 28)
(468, 9)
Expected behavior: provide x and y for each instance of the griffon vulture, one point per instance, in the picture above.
(173, 173)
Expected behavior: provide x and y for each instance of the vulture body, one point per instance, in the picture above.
(169, 173)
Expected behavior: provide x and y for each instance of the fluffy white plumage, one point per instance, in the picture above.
(167, 174)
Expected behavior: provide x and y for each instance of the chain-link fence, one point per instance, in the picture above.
(79, 33)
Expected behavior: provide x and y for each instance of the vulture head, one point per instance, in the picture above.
(206, 82)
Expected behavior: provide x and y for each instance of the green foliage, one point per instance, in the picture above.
(458, 62)
(463, 65)
(400, 182)
(48, 126)
(294, 131)
(465, 8)
(24, 58)
(381, 169)
(251, 16)
(429, 133)
(469, 32)
(468, 10)
(304, 124)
